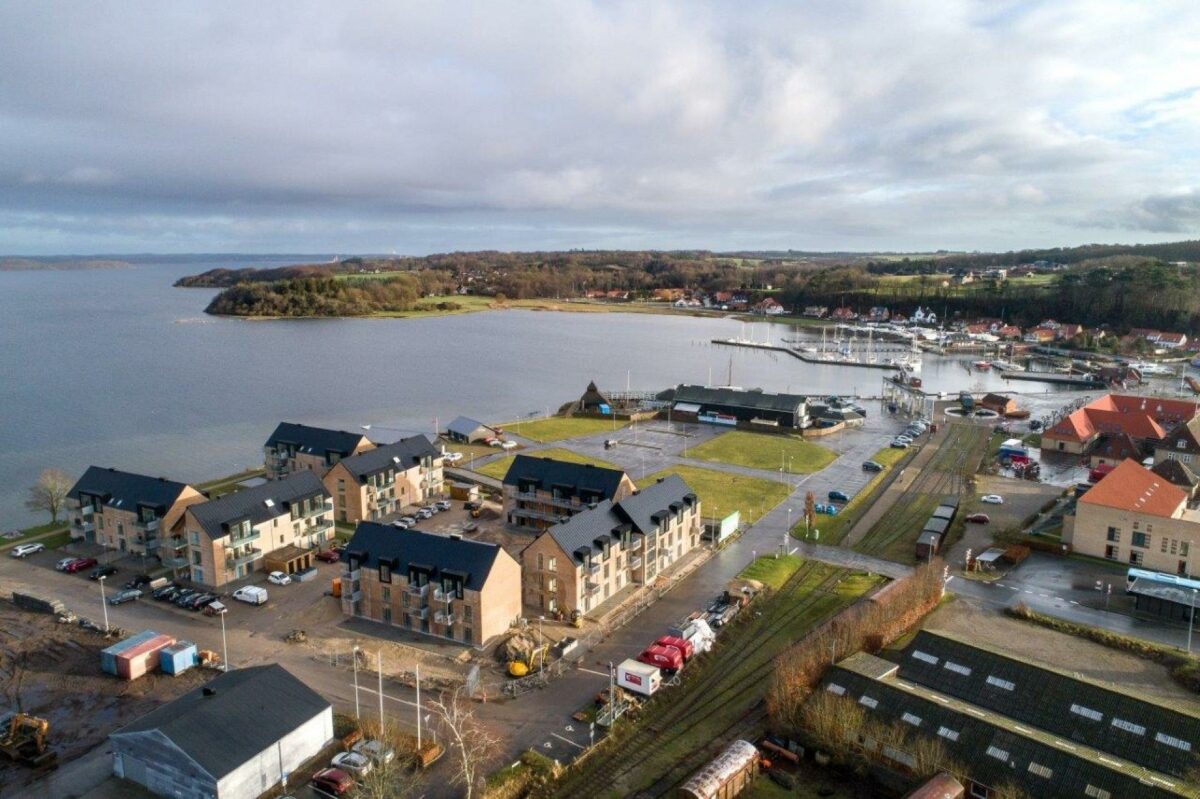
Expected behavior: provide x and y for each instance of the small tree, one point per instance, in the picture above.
(470, 744)
(49, 493)
(393, 780)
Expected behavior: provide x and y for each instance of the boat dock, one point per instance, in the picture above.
(1061, 378)
(804, 356)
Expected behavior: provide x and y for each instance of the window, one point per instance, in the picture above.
(909, 718)
(552, 585)
(467, 633)
(925, 656)
(1163, 738)
(998, 753)
(387, 594)
(1040, 770)
(869, 702)
(196, 559)
(948, 734)
(1164, 545)
(1087, 712)
(835, 689)
(387, 614)
(1135, 558)
(466, 612)
(999, 683)
(1128, 726)
(552, 564)
(958, 668)
(1174, 546)
(1096, 793)
(1114, 534)
(198, 575)
(1112, 553)
(385, 573)
(1183, 548)
(1141, 540)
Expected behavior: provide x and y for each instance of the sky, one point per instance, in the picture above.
(379, 127)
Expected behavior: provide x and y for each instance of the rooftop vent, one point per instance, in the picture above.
(270, 503)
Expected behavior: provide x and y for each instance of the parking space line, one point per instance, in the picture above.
(568, 740)
(593, 671)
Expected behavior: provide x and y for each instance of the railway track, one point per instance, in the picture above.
(702, 698)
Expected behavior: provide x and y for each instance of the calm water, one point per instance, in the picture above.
(118, 368)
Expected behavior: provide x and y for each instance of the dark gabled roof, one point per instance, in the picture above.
(593, 396)
(1176, 473)
(739, 398)
(404, 454)
(251, 503)
(1187, 432)
(250, 710)
(127, 491)
(1043, 698)
(464, 426)
(586, 531)
(574, 478)
(314, 440)
(1119, 446)
(374, 543)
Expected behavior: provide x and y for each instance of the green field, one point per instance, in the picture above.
(834, 528)
(41, 533)
(772, 572)
(764, 451)
(498, 468)
(722, 493)
(557, 428)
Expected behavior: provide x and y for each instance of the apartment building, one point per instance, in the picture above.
(443, 586)
(126, 511)
(1136, 517)
(226, 539)
(298, 447)
(540, 492)
(377, 482)
(578, 564)
(1146, 420)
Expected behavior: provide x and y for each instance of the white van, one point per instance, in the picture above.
(252, 594)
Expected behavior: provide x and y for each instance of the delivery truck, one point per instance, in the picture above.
(640, 678)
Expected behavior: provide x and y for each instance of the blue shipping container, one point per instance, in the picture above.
(108, 657)
(177, 658)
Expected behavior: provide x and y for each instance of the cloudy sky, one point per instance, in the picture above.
(420, 127)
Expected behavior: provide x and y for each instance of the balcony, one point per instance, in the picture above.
(352, 575)
(149, 526)
(174, 562)
(634, 545)
(590, 587)
(85, 527)
(356, 597)
(87, 510)
(591, 567)
(445, 618)
(444, 596)
(319, 509)
(148, 541)
(418, 613)
(551, 516)
(635, 563)
(253, 535)
(319, 527)
(418, 590)
(248, 556)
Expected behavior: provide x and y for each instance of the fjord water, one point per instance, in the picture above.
(116, 367)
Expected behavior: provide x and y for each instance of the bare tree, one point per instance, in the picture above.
(395, 779)
(49, 493)
(470, 744)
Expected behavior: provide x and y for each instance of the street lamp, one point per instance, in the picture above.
(1191, 623)
(354, 657)
(224, 642)
(103, 603)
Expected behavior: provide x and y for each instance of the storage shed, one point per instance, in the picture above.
(108, 656)
(726, 776)
(289, 559)
(137, 660)
(177, 658)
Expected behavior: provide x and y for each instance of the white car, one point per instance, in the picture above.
(407, 521)
(424, 513)
(399, 525)
(353, 763)
(25, 550)
(377, 751)
(453, 457)
(992, 499)
(509, 445)
(442, 504)
(279, 578)
(64, 563)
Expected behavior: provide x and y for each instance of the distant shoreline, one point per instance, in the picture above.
(66, 265)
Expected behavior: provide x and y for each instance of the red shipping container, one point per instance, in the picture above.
(144, 657)
(665, 657)
(684, 646)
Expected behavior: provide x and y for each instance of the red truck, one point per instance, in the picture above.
(684, 646)
(667, 658)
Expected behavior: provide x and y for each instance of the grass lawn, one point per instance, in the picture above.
(834, 528)
(33, 533)
(772, 572)
(557, 428)
(498, 468)
(56, 540)
(722, 493)
(229, 483)
(764, 451)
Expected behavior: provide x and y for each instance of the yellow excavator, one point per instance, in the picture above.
(24, 741)
(537, 660)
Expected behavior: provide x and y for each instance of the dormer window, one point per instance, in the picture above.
(1181, 444)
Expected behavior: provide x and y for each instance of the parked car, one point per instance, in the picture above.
(493, 442)
(279, 578)
(139, 581)
(898, 444)
(423, 513)
(160, 593)
(333, 780)
(329, 556)
(979, 518)
(202, 601)
(64, 563)
(128, 595)
(431, 508)
(442, 504)
(470, 527)
(79, 565)
(185, 597)
(399, 525)
(410, 521)
(904, 438)
(838, 496)
(453, 457)
(214, 608)
(872, 466)
(251, 594)
(353, 763)
(102, 571)
(25, 550)
(509, 445)
(992, 499)
(380, 753)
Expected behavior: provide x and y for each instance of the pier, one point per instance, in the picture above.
(1061, 378)
(804, 356)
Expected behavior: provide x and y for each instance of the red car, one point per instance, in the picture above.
(329, 556)
(333, 780)
(979, 518)
(80, 565)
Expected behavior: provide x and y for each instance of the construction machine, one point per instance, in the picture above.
(24, 741)
(537, 661)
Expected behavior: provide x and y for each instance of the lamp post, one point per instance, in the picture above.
(418, 673)
(103, 603)
(354, 657)
(224, 643)
(1191, 623)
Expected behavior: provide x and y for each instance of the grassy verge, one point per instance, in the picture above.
(35, 533)
(225, 485)
(499, 467)
(1184, 670)
(834, 528)
(722, 493)
(764, 451)
(56, 540)
(772, 572)
(514, 781)
(557, 428)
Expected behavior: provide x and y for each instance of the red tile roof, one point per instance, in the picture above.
(1131, 487)
(1139, 417)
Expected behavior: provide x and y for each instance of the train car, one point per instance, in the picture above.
(726, 776)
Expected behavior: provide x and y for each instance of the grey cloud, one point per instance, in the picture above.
(1161, 213)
